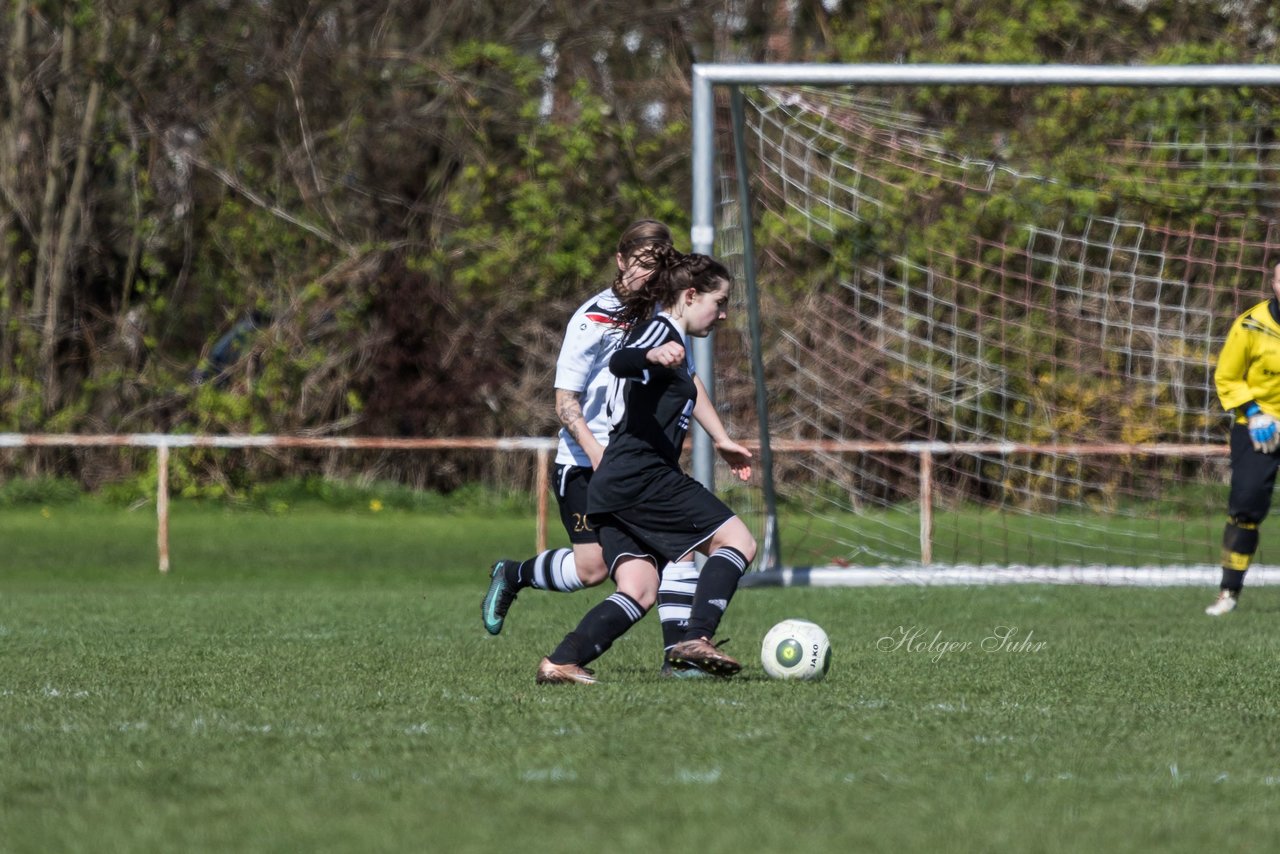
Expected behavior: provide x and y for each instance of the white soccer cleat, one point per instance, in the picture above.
(1224, 604)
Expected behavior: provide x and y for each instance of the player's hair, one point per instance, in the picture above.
(639, 241)
(643, 232)
(674, 273)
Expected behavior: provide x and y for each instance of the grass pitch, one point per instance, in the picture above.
(320, 681)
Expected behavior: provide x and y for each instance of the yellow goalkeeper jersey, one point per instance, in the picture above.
(1249, 362)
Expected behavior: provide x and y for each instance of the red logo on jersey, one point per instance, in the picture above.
(596, 314)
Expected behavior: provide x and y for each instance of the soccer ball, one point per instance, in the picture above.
(796, 649)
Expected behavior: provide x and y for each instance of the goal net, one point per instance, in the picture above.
(990, 317)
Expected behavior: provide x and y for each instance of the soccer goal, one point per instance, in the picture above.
(980, 309)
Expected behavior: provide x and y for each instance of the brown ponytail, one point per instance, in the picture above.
(637, 240)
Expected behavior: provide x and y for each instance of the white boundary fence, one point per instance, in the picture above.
(542, 448)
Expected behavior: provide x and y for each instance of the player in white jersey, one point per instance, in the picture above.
(582, 383)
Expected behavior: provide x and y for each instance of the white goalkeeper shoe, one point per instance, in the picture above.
(1224, 604)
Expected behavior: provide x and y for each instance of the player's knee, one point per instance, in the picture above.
(645, 597)
(589, 562)
(639, 580)
(593, 572)
(739, 538)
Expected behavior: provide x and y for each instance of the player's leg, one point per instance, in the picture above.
(636, 575)
(1253, 478)
(729, 552)
(558, 570)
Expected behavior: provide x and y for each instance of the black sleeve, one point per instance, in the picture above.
(629, 363)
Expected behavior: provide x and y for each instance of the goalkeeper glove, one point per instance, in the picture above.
(1262, 430)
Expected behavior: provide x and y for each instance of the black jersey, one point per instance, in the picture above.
(650, 406)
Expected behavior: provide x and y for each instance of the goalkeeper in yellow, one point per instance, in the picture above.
(1248, 381)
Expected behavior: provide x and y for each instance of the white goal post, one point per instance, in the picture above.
(1164, 270)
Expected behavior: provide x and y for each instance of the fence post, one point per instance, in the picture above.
(926, 507)
(540, 480)
(162, 505)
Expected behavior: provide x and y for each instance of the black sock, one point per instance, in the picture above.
(597, 631)
(716, 586)
(1239, 543)
(1233, 580)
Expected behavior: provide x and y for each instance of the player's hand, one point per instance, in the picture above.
(1263, 430)
(668, 355)
(738, 458)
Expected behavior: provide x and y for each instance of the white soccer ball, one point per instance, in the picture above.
(796, 649)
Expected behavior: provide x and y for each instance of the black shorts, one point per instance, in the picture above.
(571, 494)
(664, 529)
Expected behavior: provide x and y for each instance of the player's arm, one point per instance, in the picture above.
(578, 352)
(1229, 374)
(1235, 394)
(653, 347)
(569, 412)
(738, 457)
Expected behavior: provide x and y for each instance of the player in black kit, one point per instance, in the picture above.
(647, 510)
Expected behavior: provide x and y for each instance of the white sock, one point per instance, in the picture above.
(556, 569)
(675, 600)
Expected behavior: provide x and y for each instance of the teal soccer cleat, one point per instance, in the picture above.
(497, 601)
(681, 670)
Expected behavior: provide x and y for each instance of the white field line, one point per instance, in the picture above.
(960, 575)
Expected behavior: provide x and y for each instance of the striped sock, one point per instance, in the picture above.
(716, 585)
(553, 569)
(675, 600)
(597, 631)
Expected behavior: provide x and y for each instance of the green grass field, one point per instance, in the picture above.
(319, 681)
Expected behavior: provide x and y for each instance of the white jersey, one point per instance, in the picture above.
(591, 338)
